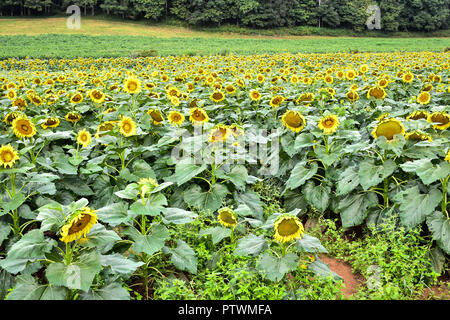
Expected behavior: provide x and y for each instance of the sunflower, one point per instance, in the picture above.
(156, 115)
(109, 110)
(104, 127)
(127, 126)
(447, 157)
(388, 128)
(329, 124)
(11, 94)
(377, 92)
(227, 217)
(416, 115)
(276, 101)
(217, 96)
(175, 118)
(97, 96)
(424, 97)
(36, 99)
(132, 85)
(352, 95)
(417, 135)
(293, 120)
(408, 77)
(236, 130)
(20, 103)
(146, 185)
(287, 227)
(73, 117)
(84, 138)
(305, 98)
(218, 134)
(198, 116)
(230, 89)
(77, 98)
(52, 122)
(23, 127)
(351, 74)
(255, 95)
(78, 225)
(441, 120)
(8, 156)
(9, 118)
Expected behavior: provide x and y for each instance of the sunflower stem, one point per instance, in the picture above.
(444, 196)
(385, 193)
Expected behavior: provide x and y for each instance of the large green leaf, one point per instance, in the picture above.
(178, 216)
(15, 202)
(250, 245)
(275, 268)
(217, 233)
(79, 274)
(317, 196)
(150, 243)
(439, 226)
(348, 180)
(114, 214)
(371, 174)
(426, 170)
(252, 200)
(183, 257)
(310, 244)
(205, 200)
(28, 289)
(185, 172)
(322, 269)
(300, 174)
(112, 291)
(101, 238)
(120, 264)
(354, 208)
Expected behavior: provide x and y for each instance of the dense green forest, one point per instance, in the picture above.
(396, 15)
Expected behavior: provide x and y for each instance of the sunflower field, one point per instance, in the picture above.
(127, 178)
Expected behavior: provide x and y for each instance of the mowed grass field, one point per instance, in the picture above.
(50, 37)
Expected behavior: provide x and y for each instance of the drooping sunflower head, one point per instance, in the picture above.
(293, 120)
(77, 98)
(78, 225)
(417, 135)
(9, 118)
(8, 156)
(127, 126)
(52, 122)
(236, 130)
(352, 95)
(156, 115)
(84, 138)
(132, 85)
(104, 128)
(23, 127)
(305, 98)
(175, 118)
(276, 101)
(288, 227)
(424, 97)
(388, 128)
(217, 96)
(441, 120)
(147, 185)
(227, 217)
(329, 124)
(20, 103)
(416, 115)
(73, 117)
(198, 116)
(219, 134)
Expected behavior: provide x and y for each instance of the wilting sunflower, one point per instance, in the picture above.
(23, 127)
(97, 96)
(9, 118)
(416, 115)
(293, 120)
(198, 116)
(217, 96)
(417, 135)
(329, 124)
(424, 97)
(218, 134)
(73, 117)
(8, 156)
(127, 126)
(77, 98)
(20, 103)
(255, 95)
(287, 227)
(236, 130)
(84, 138)
(52, 122)
(305, 98)
(175, 118)
(441, 120)
(156, 115)
(388, 128)
(227, 217)
(146, 185)
(78, 225)
(104, 127)
(132, 85)
(276, 101)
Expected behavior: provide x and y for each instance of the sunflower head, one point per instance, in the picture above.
(52, 122)
(23, 127)
(73, 117)
(9, 118)
(417, 135)
(8, 156)
(447, 157)
(441, 120)
(146, 185)
(77, 98)
(376, 92)
(424, 97)
(156, 115)
(78, 225)
(217, 96)
(293, 120)
(219, 134)
(287, 227)
(388, 128)
(227, 217)
(104, 127)
(97, 96)
(255, 95)
(84, 138)
(276, 101)
(416, 115)
(329, 124)
(176, 118)
(132, 85)
(127, 126)
(198, 116)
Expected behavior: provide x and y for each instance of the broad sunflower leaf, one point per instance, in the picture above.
(371, 174)
(13, 203)
(437, 258)
(79, 274)
(288, 144)
(205, 200)
(28, 289)
(274, 268)
(250, 245)
(295, 200)
(130, 192)
(120, 265)
(355, 208)
(439, 226)
(112, 291)
(185, 172)
(252, 200)
(114, 214)
(300, 174)
(238, 176)
(304, 140)
(52, 216)
(101, 238)
(348, 180)
(310, 244)
(322, 269)
(183, 257)
(217, 233)
(415, 207)
(5, 230)
(154, 206)
(427, 171)
(150, 243)
(178, 216)
(7, 281)
(317, 196)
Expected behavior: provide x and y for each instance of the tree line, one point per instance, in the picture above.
(396, 15)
